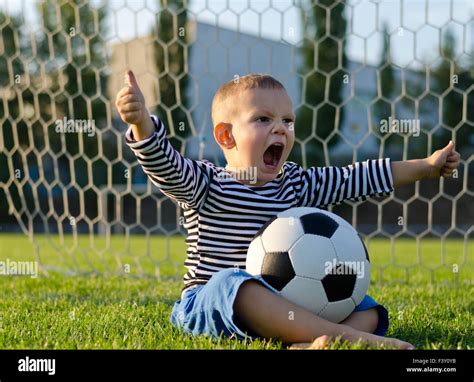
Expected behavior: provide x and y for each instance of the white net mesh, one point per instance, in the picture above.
(69, 183)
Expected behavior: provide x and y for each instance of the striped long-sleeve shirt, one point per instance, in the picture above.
(222, 215)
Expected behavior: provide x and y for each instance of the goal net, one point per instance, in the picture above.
(367, 79)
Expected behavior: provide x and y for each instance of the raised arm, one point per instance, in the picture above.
(130, 104)
(182, 179)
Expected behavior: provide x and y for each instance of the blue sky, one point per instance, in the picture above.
(416, 25)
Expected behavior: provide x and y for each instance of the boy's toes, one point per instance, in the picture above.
(300, 346)
(318, 343)
(406, 346)
(394, 343)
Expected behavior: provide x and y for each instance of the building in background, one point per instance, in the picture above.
(216, 56)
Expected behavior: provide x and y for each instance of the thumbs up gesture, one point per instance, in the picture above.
(443, 162)
(130, 104)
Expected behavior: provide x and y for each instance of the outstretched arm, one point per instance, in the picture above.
(441, 163)
(321, 186)
(182, 179)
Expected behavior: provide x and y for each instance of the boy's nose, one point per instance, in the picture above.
(279, 128)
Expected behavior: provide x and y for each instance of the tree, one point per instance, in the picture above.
(450, 81)
(322, 73)
(13, 70)
(73, 51)
(171, 54)
(387, 79)
(12, 86)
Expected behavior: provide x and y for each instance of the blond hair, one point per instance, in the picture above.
(238, 85)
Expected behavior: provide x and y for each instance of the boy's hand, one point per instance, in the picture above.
(443, 162)
(130, 104)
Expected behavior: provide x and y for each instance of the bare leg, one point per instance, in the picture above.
(271, 316)
(365, 321)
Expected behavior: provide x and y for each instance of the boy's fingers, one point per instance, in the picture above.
(128, 98)
(453, 157)
(130, 80)
(131, 113)
(449, 147)
(132, 116)
(446, 173)
(132, 106)
(124, 91)
(450, 165)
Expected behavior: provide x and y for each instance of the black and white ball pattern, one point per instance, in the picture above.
(313, 258)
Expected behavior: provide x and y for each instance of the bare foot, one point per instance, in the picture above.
(354, 336)
(372, 339)
(318, 344)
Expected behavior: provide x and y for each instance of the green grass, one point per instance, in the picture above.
(125, 311)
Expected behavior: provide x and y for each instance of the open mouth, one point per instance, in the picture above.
(272, 155)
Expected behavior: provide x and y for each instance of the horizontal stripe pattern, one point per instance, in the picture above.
(222, 215)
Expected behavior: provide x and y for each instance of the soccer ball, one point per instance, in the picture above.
(314, 259)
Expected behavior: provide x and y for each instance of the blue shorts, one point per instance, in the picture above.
(208, 309)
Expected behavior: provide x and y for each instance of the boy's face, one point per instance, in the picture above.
(261, 133)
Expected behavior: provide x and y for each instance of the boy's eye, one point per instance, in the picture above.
(287, 121)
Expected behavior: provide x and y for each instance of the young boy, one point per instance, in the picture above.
(253, 124)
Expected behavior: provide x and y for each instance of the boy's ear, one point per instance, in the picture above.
(223, 135)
